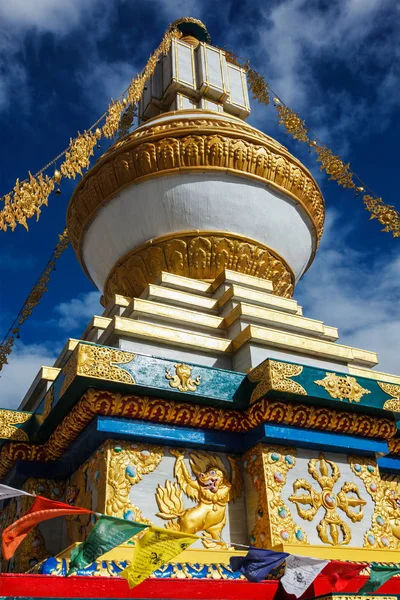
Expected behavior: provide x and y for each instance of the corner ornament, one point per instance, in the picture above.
(274, 375)
(182, 380)
(9, 419)
(342, 388)
(392, 390)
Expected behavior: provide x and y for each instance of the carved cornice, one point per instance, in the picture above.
(187, 144)
(202, 256)
(157, 410)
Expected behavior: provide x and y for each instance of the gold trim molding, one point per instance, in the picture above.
(198, 255)
(186, 143)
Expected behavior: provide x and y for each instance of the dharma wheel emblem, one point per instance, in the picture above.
(331, 529)
(342, 388)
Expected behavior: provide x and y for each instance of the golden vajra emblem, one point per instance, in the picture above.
(182, 380)
(211, 490)
(326, 473)
(342, 387)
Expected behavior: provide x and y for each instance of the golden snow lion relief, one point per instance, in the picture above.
(211, 488)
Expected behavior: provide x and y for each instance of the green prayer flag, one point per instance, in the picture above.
(108, 533)
(379, 574)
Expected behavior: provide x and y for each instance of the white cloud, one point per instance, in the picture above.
(77, 312)
(23, 366)
(356, 292)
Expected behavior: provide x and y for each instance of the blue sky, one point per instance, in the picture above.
(335, 61)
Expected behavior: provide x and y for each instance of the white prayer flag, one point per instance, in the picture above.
(300, 572)
(9, 492)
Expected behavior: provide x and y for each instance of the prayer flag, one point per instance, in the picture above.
(340, 574)
(41, 510)
(379, 575)
(157, 547)
(108, 533)
(300, 572)
(258, 562)
(9, 492)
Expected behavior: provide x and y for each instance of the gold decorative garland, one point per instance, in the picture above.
(27, 197)
(32, 300)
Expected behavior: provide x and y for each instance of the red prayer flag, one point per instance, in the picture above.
(41, 510)
(341, 573)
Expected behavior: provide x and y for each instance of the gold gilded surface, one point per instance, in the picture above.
(211, 489)
(127, 463)
(48, 403)
(182, 380)
(391, 492)
(8, 421)
(197, 256)
(99, 362)
(380, 534)
(331, 529)
(385, 214)
(274, 375)
(77, 157)
(292, 122)
(392, 390)
(190, 144)
(268, 467)
(342, 388)
(157, 410)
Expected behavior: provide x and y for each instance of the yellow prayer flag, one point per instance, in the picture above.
(157, 547)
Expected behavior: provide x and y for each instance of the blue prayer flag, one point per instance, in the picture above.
(258, 562)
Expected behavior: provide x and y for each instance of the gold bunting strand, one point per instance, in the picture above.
(385, 214)
(258, 85)
(334, 167)
(292, 122)
(32, 300)
(27, 197)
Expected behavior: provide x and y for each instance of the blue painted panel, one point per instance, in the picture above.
(388, 463)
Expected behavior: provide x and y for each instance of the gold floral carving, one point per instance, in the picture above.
(182, 380)
(331, 529)
(77, 157)
(197, 256)
(295, 126)
(157, 410)
(212, 488)
(9, 419)
(99, 362)
(379, 535)
(268, 467)
(392, 390)
(273, 375)
(391, 493)
(335, 167)
(342, 388)
(127, 463)
(192, 144)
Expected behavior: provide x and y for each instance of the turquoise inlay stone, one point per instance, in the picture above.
(260, 513)
(131, 471)
(252, 539)
(357, 468)
(284, 534)
(299, 535)
(254, 458)
(96, 475)
(380, 520)
(40, 488)
(246, 464)
(371, 539)
(275, 456)
(282, 512)
(36, 542)
(373, 487)
(117, 449)
(370, 469)
(385, 541)
(129, 515)
(278, 477)
(145, 453)
(289, 459)
(56, 491)
(32, 562)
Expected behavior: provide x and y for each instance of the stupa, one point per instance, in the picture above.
(202, 399)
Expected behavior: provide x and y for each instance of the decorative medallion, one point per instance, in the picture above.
(331, 529)
(273, 375)
(392, 390)
(182, 380)
(342, 388)
(211, 489)
(9, 419)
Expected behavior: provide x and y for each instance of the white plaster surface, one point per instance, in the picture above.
(300, 470)
(143, 495)
(204, 201)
